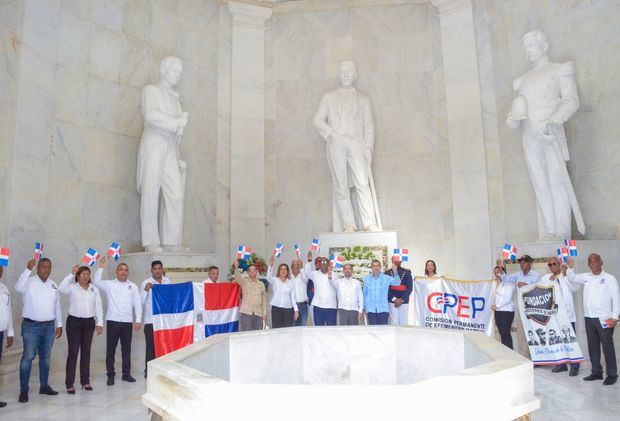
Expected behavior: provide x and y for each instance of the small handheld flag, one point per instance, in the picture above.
(336, 262)
(297, 250)
(114, 251)
(572, 246)
(563, 254)
(244, 252)
(38, 251)
(401, 255)
(316, 245)
(4, 256)
(509, 252)
(278, 250)
(91, 256)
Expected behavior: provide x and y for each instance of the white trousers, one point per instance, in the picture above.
(347, 158)
(159, 165)
(400, 315)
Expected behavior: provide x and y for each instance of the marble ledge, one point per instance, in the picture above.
(298, 6)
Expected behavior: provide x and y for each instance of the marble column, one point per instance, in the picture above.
(470, 195)
(247, 126)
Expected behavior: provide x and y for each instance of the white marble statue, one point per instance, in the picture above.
(160, 168)
(344, 121)
(547, 98)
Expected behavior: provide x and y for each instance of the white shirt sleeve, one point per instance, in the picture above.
(65, 285)
(137, 305)
(22, 283)
(294, 298)
(270, 274)
(58, 312)
(360, 298)
(102, 285)
(615, 297)
(143, 294)
(9, 329)
(98, 308)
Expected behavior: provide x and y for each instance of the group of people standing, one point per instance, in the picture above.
(42, 321)
(601, 303)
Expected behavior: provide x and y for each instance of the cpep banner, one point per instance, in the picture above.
(550, 335)
(451, 304)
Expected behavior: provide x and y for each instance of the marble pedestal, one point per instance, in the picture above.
(431, 371)
(180, 267)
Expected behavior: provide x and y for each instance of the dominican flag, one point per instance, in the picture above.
(402, 255)
(316, 245)
(189, 312)
(278, 250)
(509, 252)
(572, 247)
(297, 250)
(336, 262)
(114, 251)
(4, 256)
(563, 254)
(90, 257)
(173, 317)
(244, 252)
(38, 251)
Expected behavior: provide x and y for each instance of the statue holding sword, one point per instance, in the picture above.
(547, 98)
(344, 120)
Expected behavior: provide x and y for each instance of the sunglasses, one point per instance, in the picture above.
(552, 264)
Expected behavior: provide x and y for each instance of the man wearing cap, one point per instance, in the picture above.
(398, 295)
(525, 276)
(601, 308)
(324, 302)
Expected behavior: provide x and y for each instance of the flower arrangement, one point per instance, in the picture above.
(360, 257)
(244, 264)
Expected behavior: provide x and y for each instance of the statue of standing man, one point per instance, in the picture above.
(344, 121)
(547, 98)
(160, 169)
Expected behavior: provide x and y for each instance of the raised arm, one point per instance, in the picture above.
(22, 282)
(65, 285)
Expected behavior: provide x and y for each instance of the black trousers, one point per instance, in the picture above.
(598, 336)
(281, 317)
(150, 345)
(503, 321)
(116, 331)
(80, 337)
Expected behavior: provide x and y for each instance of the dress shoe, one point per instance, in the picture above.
(110, 381)
(87, 387)
(46, 390)
(573, 372)
(128, 378)
(610, 380)
(71, 390)
(559, 368)
(2, 404)
(23, 397)
(593, 377)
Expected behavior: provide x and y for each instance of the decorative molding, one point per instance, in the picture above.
(447, 7)
(249, 14)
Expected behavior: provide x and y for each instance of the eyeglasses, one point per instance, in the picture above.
(552, 264)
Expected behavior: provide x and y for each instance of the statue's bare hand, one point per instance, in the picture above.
(182, 165)
(511, 122)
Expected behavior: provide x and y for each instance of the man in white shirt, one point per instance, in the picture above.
(123, 297)
(214, 274)
(157, 277)
(300, 285)
(42, 323)
(6, 319)
(350, 298)
(601, 308)
(566, 288)
(324, 301)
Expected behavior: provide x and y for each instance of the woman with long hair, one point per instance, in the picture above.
(504, 306)
(430, 269)
(284, 309)
(85, 317)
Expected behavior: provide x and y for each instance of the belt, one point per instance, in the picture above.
(26, 319)
(302, 302)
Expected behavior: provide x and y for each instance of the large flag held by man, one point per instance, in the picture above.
(188, 312)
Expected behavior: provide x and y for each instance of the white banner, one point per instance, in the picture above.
(550, 336)
(452, 304)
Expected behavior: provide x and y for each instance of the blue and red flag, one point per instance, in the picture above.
(336, 262)
(114, 251)
(509, 252)
(563, 254)
(4, 256)
(401, 255)
(572, 247)
(90, 257)
(189, 312)
(244, 252)
(316, 245)
(278, 250)
(297, 250)
(38, 251)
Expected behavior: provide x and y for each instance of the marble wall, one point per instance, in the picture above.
(70, 101)
(583, 31)
(397, 50)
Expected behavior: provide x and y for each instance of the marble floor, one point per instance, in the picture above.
(562, 397)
